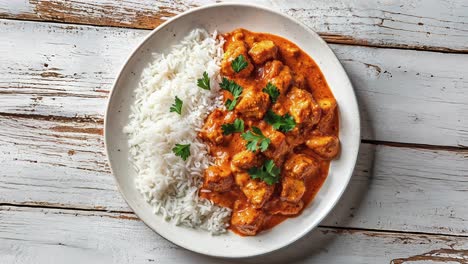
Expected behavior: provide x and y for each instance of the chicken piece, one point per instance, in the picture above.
(253, 104)
(283, 80)
(247, 219)
(278, 146)
(244, 160)
(291, 51)
(281, 106)
(292, 189)
(272, 69)
(250, 40)
(328, 106)
(326, 147)
(299, 81)
(278, 74)
(295, 136)
(233, 50)
(211, 130)
(303, 107)
(277, 206)
(229, 117)
(241, 178)
(263, 51)
(300, 166)
(238, 34)
(257, 192)
(218, 179)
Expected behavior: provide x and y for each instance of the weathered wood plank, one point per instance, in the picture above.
(66, 236)
(62, 164)
(406, 189)
(405, 97)
(67, 71)
(55, 163)
(60, 67)
(434, 25)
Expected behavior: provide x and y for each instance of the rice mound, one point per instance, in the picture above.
(167, 182)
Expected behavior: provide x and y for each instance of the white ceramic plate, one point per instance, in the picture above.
(224, 18)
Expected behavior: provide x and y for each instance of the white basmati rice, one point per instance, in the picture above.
(167, 182)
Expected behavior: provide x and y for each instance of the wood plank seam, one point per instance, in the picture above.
(459, 148)
(78, 119)
(132, 216)
(329, 38)
(381, 78)
(58, 207)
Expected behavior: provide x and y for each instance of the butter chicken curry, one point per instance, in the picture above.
(273, 141)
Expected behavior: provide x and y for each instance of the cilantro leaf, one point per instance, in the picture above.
(182, 150)
(272, 91)
(282, 123)
(204, 82)
(225, 84)
(234, 89)
(177, 106)
(268, 172)
(255, 138)
(231, 86)
(239, 63)
(230, 104)
(237, 126)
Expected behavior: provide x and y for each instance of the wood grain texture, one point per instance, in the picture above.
(62, 164)
(30, 235)
(53, 88)
(51, 74)
(67, 71)
(55, 163)
(428, 25)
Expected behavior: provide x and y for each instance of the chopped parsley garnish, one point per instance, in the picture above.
(234, 89)
(177, 106)
(237, 126)
(256, 139)
(282, 123)
(204, 82)
(230, 104)
(239, 63)
(272, 91)
(231, 86)
(182, 150)
(268, 172)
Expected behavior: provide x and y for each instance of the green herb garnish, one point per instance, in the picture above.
(182, 150)
(268, 172)
(204, 82)
(256, 139)
(230, 104)
(177, 106)
(237, 126)
(282, 123)
(239, 63)
(272, 91)
(234, 89)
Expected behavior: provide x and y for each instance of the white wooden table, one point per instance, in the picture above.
(408, 198)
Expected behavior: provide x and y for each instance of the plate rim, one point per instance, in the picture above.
(263, 8)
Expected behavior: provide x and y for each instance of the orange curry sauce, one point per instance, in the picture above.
(302, 154)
